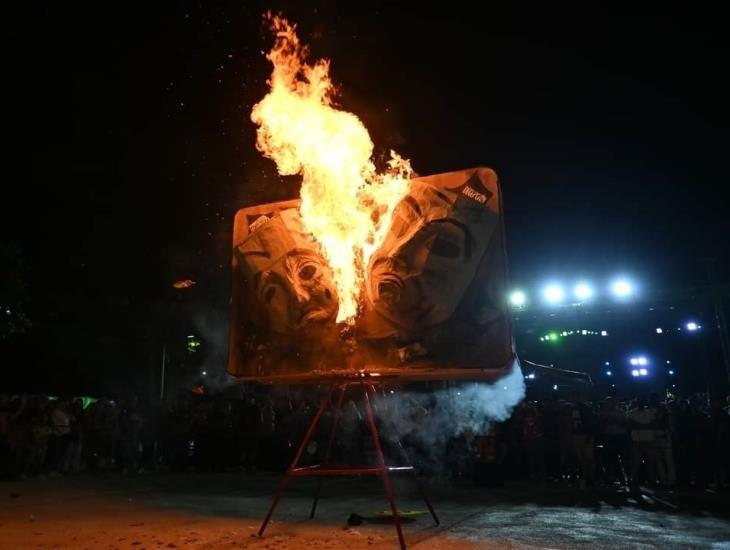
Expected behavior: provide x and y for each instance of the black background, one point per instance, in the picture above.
(129, 148)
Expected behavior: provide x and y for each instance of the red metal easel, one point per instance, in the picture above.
(325, 468)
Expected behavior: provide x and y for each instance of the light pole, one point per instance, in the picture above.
(720, 319)
(162, 375)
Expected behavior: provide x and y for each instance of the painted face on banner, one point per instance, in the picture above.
(290, 279)
(431, 253)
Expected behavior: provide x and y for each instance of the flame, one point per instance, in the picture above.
(346, 203)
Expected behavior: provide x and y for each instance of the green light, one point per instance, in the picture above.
(86, 402)
(553, 336)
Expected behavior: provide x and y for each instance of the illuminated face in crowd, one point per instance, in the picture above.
(290, 279)
(432, 251)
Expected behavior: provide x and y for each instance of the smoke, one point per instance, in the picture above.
(427, 421)
(212, 327)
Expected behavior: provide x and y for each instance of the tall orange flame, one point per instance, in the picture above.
(346, 203)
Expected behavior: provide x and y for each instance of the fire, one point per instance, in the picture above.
(346, 203)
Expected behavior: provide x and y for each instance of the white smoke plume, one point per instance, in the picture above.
(212, 326)
(430, 419)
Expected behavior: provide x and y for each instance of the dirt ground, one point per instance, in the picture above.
(110, 526)
(225, 511)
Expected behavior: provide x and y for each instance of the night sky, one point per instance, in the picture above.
(131, 147)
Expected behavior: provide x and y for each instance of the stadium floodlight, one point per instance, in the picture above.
(622, 288)
(583, 291)
(553, 293)
(518, 298)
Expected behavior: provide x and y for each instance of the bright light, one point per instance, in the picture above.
(643, 372)
(531, 376)
(607, 363)
(692, 326)
(635, 372)
(622, 288)
(554, 293)
(604, 333)
(584, 332)
(642, 360)
(205, 372)
(671, 372)
(634, 361)
(609, 373)
(659, 331)
(555, 386)
(583, 291)
(668, 361)
(518, 298)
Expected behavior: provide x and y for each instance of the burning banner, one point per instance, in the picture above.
(284, 300)
(370, 272)
(436, 287)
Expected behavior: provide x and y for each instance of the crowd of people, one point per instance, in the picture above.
(627, 442)
(608, 441)
(43, 437)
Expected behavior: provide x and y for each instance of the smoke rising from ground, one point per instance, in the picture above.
(212, 326)
(428, 420)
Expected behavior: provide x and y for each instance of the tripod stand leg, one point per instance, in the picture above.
(381, 464)
(328, 452)
(284, 482)
(407, 462)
